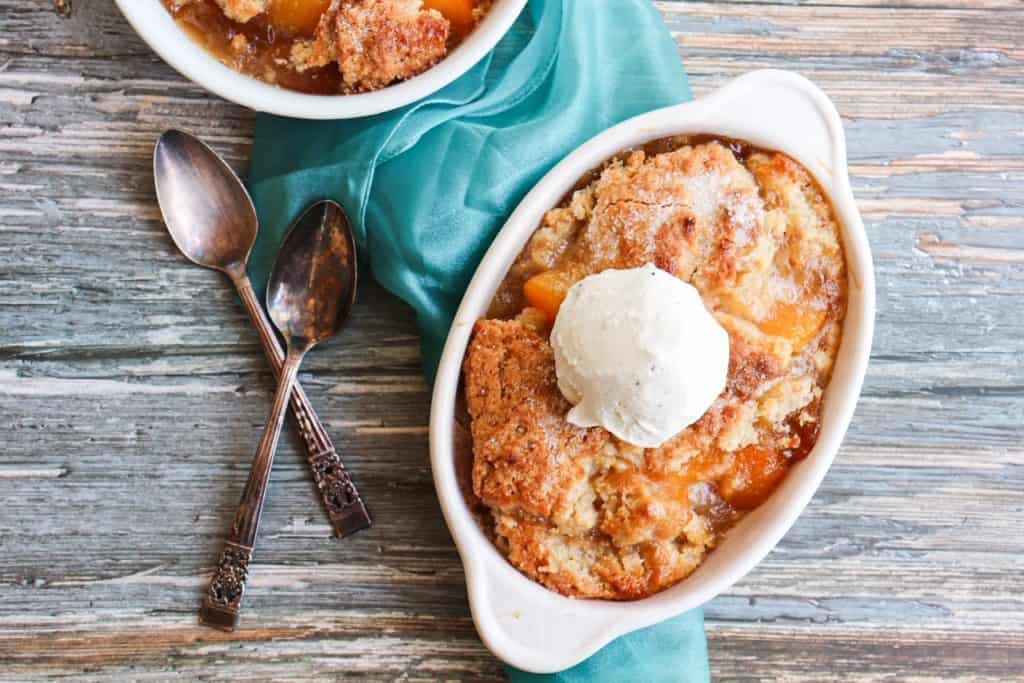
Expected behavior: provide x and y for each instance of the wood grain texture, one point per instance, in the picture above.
(906, 566)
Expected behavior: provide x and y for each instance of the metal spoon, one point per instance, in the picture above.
(213, 221)
(309, 296)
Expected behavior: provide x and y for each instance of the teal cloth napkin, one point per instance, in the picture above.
(428, 186)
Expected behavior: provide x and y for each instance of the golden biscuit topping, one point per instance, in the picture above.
(375, 42)
(585, 513)
(528, 459)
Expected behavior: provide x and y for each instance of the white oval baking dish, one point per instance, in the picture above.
(539, 630)
(155, 25)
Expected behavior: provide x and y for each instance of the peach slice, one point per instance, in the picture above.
(546, 291)
(754, 475)
(799, 324)
(296, 16)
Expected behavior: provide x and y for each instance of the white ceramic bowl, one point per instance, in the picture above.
(154, 24)
(539, 630)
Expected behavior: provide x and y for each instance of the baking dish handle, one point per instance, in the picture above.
(534, 629)
(789, 109)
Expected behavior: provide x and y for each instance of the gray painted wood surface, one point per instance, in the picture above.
(132, 392)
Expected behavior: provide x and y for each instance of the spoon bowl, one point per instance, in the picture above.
(313, 282)
(207, 209)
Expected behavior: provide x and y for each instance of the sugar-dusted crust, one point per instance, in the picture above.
(528, 459)
(588, 515)
(375, 42)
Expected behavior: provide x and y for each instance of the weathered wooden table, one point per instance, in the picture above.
(132, 390)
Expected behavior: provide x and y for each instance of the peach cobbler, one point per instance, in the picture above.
(329, 46)
(589, 514)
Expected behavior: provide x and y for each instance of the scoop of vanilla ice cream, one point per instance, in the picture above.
(637, 353)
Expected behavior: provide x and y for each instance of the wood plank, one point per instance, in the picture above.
(905, 567)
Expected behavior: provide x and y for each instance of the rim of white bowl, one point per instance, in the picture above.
(157, 28)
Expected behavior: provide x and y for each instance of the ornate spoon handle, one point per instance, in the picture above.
(224, 597)
(345, 507)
